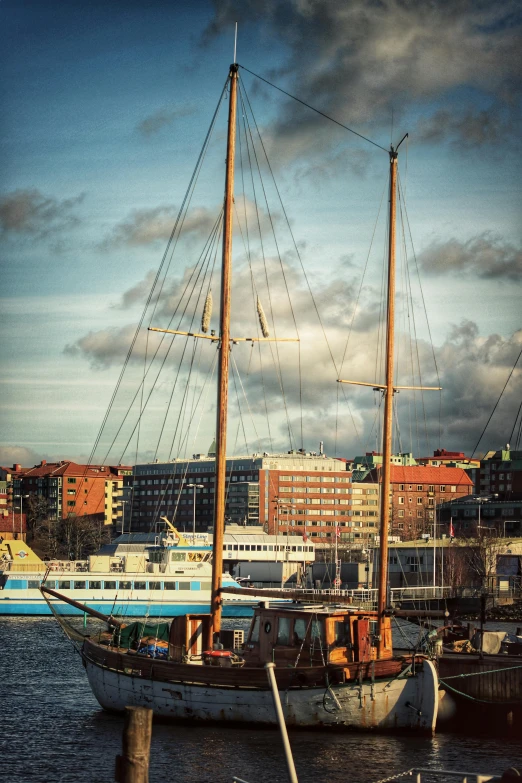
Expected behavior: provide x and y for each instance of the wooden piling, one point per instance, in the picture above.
(133, 764)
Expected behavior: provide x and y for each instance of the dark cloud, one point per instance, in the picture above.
(466, 129)
(31, 213)
(162, 118)
(486, 256)
(360, 61)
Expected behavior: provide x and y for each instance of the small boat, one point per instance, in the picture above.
(335, 664)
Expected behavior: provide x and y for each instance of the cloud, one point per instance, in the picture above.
(359, 61)
(18, 455)
(149, 226)
(162, 118)
(466, 129)
(31, 213)
(486, 256)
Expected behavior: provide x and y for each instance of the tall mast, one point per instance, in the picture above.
(224, 355)
(388, 408)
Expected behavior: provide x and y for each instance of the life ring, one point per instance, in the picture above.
(219, 653)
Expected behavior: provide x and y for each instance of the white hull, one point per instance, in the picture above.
(387, 704)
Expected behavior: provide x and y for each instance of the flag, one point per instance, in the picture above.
(337, 532)
(451, 529)
(305, 536)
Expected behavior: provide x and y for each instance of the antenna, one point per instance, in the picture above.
(235, 45)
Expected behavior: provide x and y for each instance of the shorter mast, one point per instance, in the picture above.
(223, 372)
(388, 411)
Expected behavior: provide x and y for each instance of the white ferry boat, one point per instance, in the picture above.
(171, 577)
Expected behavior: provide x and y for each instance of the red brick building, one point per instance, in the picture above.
(417, 491)
(82, 490)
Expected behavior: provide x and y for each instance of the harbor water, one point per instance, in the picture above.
(54, 731)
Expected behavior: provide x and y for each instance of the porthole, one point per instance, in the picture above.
(268, 627)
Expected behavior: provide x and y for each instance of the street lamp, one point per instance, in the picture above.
(21, 510)
(195, 486)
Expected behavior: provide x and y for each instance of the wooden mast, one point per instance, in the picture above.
(388, 410)
(224, 355)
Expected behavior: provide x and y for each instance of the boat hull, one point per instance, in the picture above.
(386, 704)
(128, 608)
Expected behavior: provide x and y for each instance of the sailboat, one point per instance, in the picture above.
(334, 663)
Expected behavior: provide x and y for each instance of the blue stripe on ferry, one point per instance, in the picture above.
(129, 609)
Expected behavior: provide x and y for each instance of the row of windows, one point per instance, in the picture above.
(430, 488)
(120, 585)
(266, 548)
(337, 479)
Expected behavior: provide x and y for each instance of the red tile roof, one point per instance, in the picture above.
(431, 474)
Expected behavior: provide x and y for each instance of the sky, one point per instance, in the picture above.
(105, 110)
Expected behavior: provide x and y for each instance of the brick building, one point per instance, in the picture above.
(82, 490)
(297, 491)
(416, 493)
(452, 459)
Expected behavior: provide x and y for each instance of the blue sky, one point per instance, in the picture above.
(105, 108)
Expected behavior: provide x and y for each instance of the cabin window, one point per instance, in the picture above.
(79, 585)
(195, 586)
(254, 633)
(170, 586)
(33, 584)
(206, 585)
(299, 631)
(109, 585)
(317, 630)
(283, 631)
(94, 585)
(140, 585)
(342, 633)
(184, 585)
(178, 557)
(154, 585)
(195, 557)
(125, 585)
(64, 585)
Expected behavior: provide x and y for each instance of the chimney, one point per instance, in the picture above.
(17, 468)
(43, 463)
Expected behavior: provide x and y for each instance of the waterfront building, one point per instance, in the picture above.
(500, 474)
(481, 516)
(304, 493)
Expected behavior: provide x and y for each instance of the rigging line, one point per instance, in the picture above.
(408, 278)
(245, 396)
(138, 328)
(359, 292)
(253, 284)
(241, 418)
(515, 423)
(279, 257)
(317, 111)
(277, 364)
(304, 272)
(497, 402)
(163, 337)
(204, 269)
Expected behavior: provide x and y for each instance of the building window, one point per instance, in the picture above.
(419, 501)
(401, 501)
(453, 487)
(443, 488)
(71, 481)
(401, 513)
(419, 487)
(401, 487)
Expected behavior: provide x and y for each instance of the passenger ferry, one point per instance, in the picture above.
(169, 578)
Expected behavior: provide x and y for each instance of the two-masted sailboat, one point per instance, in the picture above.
(334, 664)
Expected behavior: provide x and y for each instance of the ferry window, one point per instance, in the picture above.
(254, 633)
(110, 585)
(206, 585)
(342, 633)
(33, 584)
(241, 547)
(125, 585)
(195, 557)
(170, 585)
(154, 585)
(79, 585)
(184, 585)
(94, 585)
(258, 547)
(140, 585)
(195, 586)
(299, 631)
(235, 547)
(247, 547)
(283, 631)
(270, 548)
(64, 585)
(265, 548)
(177, 556)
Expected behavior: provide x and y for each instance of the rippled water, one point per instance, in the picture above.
(54, 730)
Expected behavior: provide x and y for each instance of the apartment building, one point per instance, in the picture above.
(500, 474)
(73, 489)
(305, 493)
